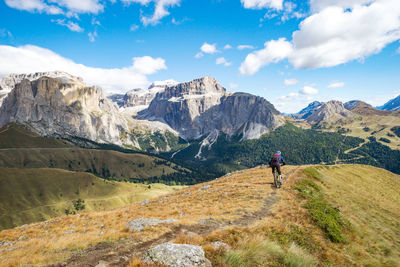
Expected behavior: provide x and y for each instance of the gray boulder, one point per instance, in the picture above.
(176, 255)
(139, 224)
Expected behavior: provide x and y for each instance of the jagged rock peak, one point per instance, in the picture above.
(9, 82)
(201, 86)
(332, 110)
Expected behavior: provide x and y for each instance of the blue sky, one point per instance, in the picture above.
(290, 52)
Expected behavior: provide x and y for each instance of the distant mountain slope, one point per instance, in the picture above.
(18, 136)
(21, 148)
(197, 108)
(393, 104)
(299, 146)
(339, 215)
(30, 195)
(307, 111)
(363, 108)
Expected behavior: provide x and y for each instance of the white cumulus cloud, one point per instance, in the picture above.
(56, 7)
(308, 90)
(336, 85)
(335, 35)
(34, 6)
(227, 46)
(274, 51)
(29, 58)
(289, 82)
(209, 48)
(223, 61)
(260, 4)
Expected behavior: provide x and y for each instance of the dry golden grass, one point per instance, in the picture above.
(227, 199)
(368, 197)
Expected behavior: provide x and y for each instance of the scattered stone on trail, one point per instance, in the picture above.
(205, 187)
(139, 224)
(69, 232)
(22, 237)
(5, 243)
(218, 245)
(145, 202)
(177, 255)
(186, 193)
(209, 221)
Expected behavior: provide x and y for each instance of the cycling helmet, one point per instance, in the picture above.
(278, 152)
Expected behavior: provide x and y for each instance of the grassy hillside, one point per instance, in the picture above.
(105, 163)
(374, 123)
(29, 195)
(17, 136)
(21, 148)
(322, 216)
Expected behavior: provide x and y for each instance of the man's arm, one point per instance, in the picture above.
(283, 161)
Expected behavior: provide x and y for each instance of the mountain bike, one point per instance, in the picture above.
(277, 183)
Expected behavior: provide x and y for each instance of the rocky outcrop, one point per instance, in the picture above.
(139, 224)
(199, 107)
(176, 255)
(66, 107)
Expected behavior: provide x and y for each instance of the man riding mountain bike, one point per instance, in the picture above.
(276, 162)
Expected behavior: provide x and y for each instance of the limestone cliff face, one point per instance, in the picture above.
(199, 107)
(69, 108)
(9, 82)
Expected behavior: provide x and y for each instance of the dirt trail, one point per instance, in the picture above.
(119, 254)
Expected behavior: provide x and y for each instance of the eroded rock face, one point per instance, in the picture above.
(176, 255)
(199, 107)
(66, 107)
(54, 106)
(9, 82)
(331, 111)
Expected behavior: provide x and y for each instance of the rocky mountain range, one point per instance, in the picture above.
(199, 107)
(139, 99)
(59, 104)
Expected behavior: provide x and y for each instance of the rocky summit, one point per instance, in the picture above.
(199, 107)
(331, 111)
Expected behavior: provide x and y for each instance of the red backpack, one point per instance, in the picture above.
(275, 159)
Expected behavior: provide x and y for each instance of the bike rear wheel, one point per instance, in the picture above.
(276, 180)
